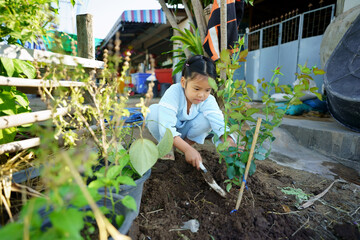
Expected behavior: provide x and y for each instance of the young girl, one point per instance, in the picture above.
(189, 110)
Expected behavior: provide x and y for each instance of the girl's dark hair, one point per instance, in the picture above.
(199, 64)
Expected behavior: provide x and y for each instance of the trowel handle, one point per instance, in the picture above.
(202, 167)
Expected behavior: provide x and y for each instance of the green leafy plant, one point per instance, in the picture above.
(25, 20)
(239, 115)
(190, 41)
(22, 21)
(13, 101)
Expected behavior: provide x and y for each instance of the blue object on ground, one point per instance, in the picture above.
(317, 104)
(135, 117)
(294, 109)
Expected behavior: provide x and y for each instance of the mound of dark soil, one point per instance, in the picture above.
(176, 193)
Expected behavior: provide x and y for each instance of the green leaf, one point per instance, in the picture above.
(259, 156)
(228, 159)
(69, 222)
(25, 67)
(12, 231)
(126, 180)
(212, 83)
(244, 157)
(79, 199)
(129, 202)
(228, 187)
(113, 172)
(116, 152)
(22, 99)
(119, 219)
(7, 103)
(243, 54)
(299, 88)
(318, 71)
(276, 81)
(8, 65)
(225, 56)
(252, 168)
(143, 155)
(7, 135)
(239, 164)
(96, 184)
(251, 111)
(223, 146)
(230, 172)
(234, 128)
(318, 95)
(166, 144)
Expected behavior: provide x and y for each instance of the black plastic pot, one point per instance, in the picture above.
(342, 79)
(120, 209)
(136, 193)
(26, 174)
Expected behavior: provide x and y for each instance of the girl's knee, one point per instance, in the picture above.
(200, 123)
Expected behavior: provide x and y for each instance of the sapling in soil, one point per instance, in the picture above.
(239, 115)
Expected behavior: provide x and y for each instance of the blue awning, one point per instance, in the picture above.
(144, 16)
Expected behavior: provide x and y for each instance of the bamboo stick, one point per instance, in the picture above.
(22, 82)
(19, 145)
(26, 118)
(256, 134)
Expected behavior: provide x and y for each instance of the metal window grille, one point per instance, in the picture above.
(270, 36)
(254, 41)
(308, 24)
(315, 22)
(290, 29)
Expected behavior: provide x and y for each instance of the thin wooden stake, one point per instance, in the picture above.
(256, 134)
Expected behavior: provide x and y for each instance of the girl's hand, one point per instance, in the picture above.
(193, 157)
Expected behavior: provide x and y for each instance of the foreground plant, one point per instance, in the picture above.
(239, 115)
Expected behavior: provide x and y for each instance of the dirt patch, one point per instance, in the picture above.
(176, 193)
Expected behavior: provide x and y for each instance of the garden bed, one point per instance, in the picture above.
(176, 193)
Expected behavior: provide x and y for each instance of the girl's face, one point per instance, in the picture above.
(196, 90)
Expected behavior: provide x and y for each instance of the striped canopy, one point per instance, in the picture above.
(144, 16)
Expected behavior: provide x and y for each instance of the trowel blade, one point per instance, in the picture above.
(210, 180)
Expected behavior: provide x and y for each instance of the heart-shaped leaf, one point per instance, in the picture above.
(166, 143)
(143, 155)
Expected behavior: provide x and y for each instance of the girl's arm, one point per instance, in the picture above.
(192, 156)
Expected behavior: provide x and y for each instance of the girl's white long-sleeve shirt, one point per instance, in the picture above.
(173, 111)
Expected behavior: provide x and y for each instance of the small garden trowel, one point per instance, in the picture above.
(210, 180)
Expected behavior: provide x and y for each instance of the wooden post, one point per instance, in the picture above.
(85, 44)
(84, 27)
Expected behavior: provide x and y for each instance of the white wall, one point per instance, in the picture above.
(350, 4)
